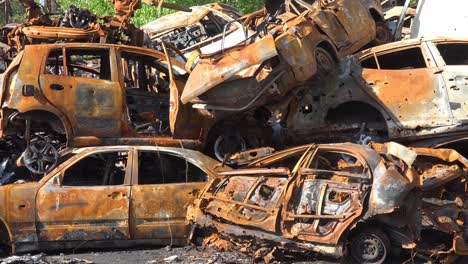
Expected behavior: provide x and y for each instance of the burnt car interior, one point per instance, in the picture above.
(106, 168)
(163, 168)
(193, 36)
(85, 63)
(147, 93)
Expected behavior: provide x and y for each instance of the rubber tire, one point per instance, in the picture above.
(323, 71)
(376, 233)
(383, 34)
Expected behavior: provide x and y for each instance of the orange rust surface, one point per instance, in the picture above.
(48, 211)
(102, 101)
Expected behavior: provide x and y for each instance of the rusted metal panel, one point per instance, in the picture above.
(412, 96)
(82, 213)
(157, 217)
(210, 72)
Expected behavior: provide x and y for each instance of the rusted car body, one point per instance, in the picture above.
(85, 94)
(289, 48)
(106, 197)
(324, 197)
(202, 29)
(245, 84)
(405, 91)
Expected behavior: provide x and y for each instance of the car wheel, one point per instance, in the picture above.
(228, 145)
(382, 34)
(325, 62)
(40, 156)
(370, 246)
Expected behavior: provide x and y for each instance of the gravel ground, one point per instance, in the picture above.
(155, 256)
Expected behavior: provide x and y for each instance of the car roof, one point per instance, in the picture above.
(193, 155)
(407, 42)
(372, 157)
(181, 19)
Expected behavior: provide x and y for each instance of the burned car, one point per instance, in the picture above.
(405, 91)
(84, 94)
(205, 29)
(327, 198)
(113, 196)
(290, 46)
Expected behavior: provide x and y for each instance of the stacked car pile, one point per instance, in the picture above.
(214, 80)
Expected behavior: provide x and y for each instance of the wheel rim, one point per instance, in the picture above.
(369, 249)
(220, 148)
(324, 62)
(40, 157)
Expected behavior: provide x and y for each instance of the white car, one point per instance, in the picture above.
(207, 29)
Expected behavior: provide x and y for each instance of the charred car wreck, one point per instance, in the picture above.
(330, 198)
(88, 95)
(295, 43)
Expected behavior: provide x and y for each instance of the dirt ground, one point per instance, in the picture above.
(156, 256)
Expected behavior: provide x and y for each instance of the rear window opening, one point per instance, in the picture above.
(454, 53)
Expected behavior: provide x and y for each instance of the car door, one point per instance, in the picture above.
(408, 85)
(80, 83)
(452, 60)
(249, 197)
(87, 200)
(184, 123)
(166, 184)
(326, 197)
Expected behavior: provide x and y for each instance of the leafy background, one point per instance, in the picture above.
(142, 16)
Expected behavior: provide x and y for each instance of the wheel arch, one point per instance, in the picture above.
(57, 122)
(376, 15)
(5, 234)
(330, 48)
(352, 108)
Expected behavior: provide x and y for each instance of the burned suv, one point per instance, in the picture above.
(405, 91)
(93, 94)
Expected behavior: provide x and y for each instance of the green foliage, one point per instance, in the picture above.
(98, 7)
(15, 10)
(142, 16)
(149, 13)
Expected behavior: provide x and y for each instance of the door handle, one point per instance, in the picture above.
(56, 87)
(114, 195)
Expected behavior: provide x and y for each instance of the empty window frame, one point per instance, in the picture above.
(85, 63)
(454, 53)
(161, 168)
(369, 63)
(99, 169)
(337, 166)
(144, 73)
(402, 60)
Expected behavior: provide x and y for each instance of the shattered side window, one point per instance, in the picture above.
(402, 60)
(160, 168)
(87, 63)
(454, 53)
(99, 169)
